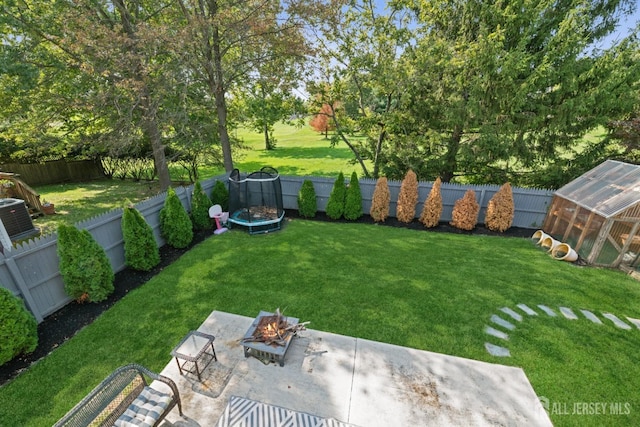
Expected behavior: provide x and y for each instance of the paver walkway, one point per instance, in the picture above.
(497, 322)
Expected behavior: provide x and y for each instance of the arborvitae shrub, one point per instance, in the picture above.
(84, 266)
(407, 198)
(381, 198)
(220, 196)
(307, 203)
(18, 328)
(465, 211)
(335, 204)
(200, 204)
(500, 210)
(432, 208)
(141, 251)
(353, 199)
(175, 224)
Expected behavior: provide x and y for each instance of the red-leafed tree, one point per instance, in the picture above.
(321, 122)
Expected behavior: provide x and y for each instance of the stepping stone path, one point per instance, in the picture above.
(568, 313)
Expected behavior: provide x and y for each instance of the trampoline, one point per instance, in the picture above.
(255, 200)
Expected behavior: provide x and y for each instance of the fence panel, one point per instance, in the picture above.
(530, 204)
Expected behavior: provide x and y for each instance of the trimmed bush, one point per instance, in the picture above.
(465, 211)
(408, 198)
(84, 266)
(141, 251)
(500, 210)
(220, 195)
(18, 327)
(175, 224)
(353, 199)
(335, 204)
(307, 203)
(432, 208)
(200, 204)
(381, 199)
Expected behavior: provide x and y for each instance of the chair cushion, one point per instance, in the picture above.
(145, 409)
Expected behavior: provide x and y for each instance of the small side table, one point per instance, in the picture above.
(193, 349)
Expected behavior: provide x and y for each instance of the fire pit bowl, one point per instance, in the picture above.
(269, 336)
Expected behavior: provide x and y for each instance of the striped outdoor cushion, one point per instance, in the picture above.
(145, 410)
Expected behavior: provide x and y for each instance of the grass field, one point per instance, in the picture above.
(419, 289)
(299, 151)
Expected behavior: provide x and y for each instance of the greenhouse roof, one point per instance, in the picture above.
(607, 189)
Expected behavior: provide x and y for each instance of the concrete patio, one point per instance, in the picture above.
(355, 381)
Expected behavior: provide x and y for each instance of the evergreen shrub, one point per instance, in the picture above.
(335, 204)
(18, 327)
(307, 203)
(381, 199)
(432, 208)
(500, 210)
(84, 266)
(220, 196)
(200, 204)
(465, 212)
(353, 199)
(175, 224)
(408, 198)
(141, 251)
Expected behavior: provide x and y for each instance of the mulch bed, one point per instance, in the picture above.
(66, 322)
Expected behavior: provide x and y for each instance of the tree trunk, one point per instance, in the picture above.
(150, 127)
(149, 123)
(450, 164)
(267, 143)
(376, 155)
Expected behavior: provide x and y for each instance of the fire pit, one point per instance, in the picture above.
(269, 336)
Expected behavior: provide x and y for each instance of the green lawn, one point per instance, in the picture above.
(299, 151)
(76, 202)
(425, 290)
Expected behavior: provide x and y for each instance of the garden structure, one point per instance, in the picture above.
(598, 215)
(255, 200)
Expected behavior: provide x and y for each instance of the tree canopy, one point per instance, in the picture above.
(465, 90)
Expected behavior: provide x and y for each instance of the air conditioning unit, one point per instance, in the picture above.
(16, 219)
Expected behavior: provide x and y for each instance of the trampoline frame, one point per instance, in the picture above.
(259, 226)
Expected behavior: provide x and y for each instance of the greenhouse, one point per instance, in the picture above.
(598, 215)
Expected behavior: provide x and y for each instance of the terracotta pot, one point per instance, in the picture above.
(49, 209)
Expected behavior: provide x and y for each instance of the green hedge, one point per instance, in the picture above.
(84, 266)
(18, 328)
